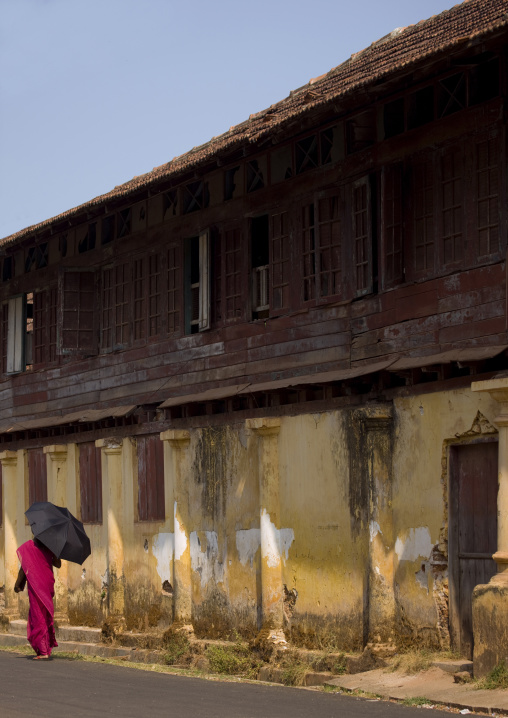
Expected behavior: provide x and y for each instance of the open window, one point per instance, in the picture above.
(197, 283)
(17, 324)
(260, 260)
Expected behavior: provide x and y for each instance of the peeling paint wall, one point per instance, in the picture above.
(346, 534)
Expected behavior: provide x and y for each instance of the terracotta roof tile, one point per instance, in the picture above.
(392, 53)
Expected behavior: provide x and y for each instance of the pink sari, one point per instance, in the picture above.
(37, 563)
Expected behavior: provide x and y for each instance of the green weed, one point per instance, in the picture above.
(497, 678)
(235, 660)
(417, 701)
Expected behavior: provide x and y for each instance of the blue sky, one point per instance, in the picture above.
(94, 92)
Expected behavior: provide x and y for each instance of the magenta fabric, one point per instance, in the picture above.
(37, 563)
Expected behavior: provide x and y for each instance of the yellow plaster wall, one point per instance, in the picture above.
(324, 538)
(424, 426)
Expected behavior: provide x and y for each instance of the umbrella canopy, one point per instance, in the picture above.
(59, 531)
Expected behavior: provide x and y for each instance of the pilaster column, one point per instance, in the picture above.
(57, 494)
(498, 390)
(490, 601)
(9, 460)
(272, 588)
(376, 448)
(179, 441)
(114, 509)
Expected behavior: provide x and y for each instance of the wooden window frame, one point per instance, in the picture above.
(317, 257)
(150, 472)
(90, 483)
(77, 323)
(37, 476)
(362, 236)
(197, 313)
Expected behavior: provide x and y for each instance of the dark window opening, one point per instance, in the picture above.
(421, 107)
(260, 258)
(108, 229)
(255, 178)
(393, 118)
(37, 257)
(88, 241)
(62, 245)
(169, 203)
(306, 154)
(452, 94)
(196, 197)
(326, 141)
(484, 81)
(7, 269)
(229, 182)
(124, 222)
(361, 131)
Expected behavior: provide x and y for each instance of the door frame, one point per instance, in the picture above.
(453, 525)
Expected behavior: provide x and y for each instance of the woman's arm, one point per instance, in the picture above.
(20, 581)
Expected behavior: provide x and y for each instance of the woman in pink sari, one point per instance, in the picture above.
(36, 570)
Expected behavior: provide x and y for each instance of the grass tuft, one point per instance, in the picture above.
(497, 678)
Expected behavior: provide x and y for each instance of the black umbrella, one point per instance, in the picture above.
(59, 531)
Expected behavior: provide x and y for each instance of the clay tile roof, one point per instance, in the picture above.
(392, 53)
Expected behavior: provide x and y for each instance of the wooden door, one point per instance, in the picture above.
(472, 532)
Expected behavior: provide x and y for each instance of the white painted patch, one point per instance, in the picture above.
(374, 530)
(416, 545)
(180, 538)
(206, 563)
(248, 542)
(163, 548)
(287, 536)
(274, 542)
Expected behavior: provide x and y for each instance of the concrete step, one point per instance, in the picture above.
(455, 665)
(82, 634)
(100, 650)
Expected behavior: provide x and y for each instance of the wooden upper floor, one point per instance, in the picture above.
(362, 239)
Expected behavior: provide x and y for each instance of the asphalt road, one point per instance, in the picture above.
(66, 688)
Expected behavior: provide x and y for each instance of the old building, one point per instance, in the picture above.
(267, 375)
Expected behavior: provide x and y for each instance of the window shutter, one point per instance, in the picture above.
(204, 281)
(362, 236)
(15, 334)
(76, 328)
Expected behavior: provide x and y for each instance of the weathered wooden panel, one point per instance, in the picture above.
(472, 534)
(37, 476)
(90, 482)
(151, 506)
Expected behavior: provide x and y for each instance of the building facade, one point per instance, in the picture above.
(250, 371)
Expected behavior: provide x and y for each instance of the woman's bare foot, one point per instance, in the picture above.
(38, 658)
